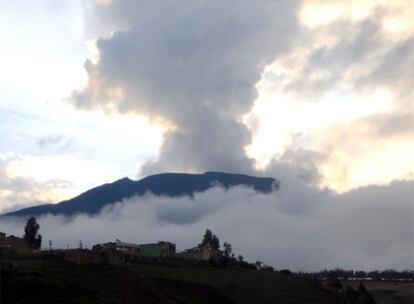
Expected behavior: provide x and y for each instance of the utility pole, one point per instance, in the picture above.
(50, 246)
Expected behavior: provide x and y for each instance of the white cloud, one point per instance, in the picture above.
(298, 227)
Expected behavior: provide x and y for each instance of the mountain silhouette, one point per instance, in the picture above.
(165, 184)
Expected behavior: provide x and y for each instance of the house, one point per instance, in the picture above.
(98, 255)
(157, 250)
(134, 252)
(196, 253)
(128, 250)
(167, 249)
(11, 245)
(200, 253)
(108, 255)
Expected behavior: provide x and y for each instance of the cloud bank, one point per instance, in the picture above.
(298, 227)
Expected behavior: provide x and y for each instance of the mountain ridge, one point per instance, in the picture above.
(163, 184)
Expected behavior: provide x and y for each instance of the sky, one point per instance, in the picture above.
(317, 94)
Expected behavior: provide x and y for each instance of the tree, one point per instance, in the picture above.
(211, 240)
(215, 242)
(31, 233)
(207, 238)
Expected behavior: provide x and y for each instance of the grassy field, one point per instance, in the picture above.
(54, 281)
(387, 292)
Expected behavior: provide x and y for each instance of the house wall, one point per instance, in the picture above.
(194, 254)
(130, 252)
(158, 250)
(167, 249)
(15, 244)
(107, 255)
(150, 251)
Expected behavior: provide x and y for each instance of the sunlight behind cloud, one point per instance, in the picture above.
(281, 118)
(93, 50)
(63, 167)
(315, 13)
(329, 94)
(398, 21)
(357, 158)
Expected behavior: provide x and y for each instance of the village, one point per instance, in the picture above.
(114, 253)
(24, 256)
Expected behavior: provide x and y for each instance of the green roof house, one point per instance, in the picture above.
(157, 250)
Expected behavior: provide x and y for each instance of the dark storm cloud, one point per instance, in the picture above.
(195, 64)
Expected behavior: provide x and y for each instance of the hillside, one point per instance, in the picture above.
(166, 184)
(60, 282)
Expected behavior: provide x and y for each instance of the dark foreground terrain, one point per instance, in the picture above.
(387, 292)
(55, 281)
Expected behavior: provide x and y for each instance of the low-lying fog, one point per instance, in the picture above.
(297, 227)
